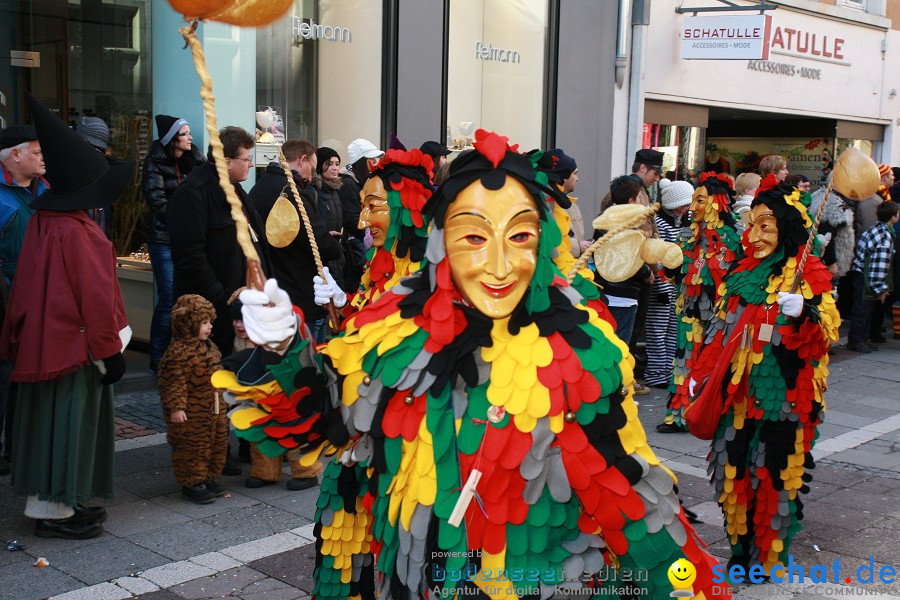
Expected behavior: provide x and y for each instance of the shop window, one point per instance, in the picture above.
(496, 69)
(683, 148)
(318, 74)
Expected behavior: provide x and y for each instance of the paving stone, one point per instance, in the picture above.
(848, 419)
(856, 456)
(241, 582)
(149, 484)
(301, 503)
(255, 522)
(158, 457)
(263, 547)
(174, 573)
(136, 585)
(103, 591)
(216, 561)
(183, 542)
(294, 567)
(837, 476)
(101, 562)
(178, 503)
(141, 515)
(23, 581)
(161, 595)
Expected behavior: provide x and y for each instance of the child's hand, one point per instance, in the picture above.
(179, 416)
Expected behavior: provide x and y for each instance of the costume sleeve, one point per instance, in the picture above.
(173, 387)
(91, 271)
(188, 221)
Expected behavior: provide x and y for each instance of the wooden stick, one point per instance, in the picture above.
(589, 251)
(332, 310)
(798, 274)
(255, 276)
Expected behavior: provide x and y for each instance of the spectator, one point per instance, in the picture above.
(362, 156)
(801, 182)
(774, 164)
(895, 188)
(662, 324)
(293, 264)
(567, 171)
(197, 425)
(438, 153)
(328, 185)
(171, 158)
(745, 187)
(622, 297)
(65, 328)
(95, 132)
(206, 257)
(872, 278)
(22, 168)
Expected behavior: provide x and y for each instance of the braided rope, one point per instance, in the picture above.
(254, 271)
(635, 221)
(798, 275)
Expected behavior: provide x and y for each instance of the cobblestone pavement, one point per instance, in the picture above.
(257, 543)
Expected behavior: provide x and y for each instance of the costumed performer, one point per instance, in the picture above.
(65, 328)
(495, 410)
(392, 200)
(772, 348)
(710, 244)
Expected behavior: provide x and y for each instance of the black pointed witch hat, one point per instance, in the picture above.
(80, 177)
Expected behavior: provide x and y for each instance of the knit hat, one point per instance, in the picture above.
(95, 131)
(167, 127)
(362, 148)
(17, 134)
(883, 170)
(675, 194)
(564, 165)
(323, 155)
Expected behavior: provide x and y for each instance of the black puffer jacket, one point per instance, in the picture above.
(162, 173)
(293, 265)
(207, 258)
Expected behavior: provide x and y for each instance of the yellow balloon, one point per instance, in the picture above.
(252, 13)
(856, 175)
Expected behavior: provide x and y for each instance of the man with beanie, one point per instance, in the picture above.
(662, 325)
(206, 257)
(66, 328)
(328, 184)
(95, 132)
(566, 169)
(22, 166)
(362, 156)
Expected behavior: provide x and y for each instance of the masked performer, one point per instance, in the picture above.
(710, 245)
(772, 347)
(494, 409)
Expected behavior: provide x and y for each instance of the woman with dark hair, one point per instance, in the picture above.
(490, 404)
(775, 345)
(172, 156)
(328, 184)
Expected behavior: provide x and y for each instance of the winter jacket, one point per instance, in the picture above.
(837, 219)
(350, 205)
(207, 258)
(162, 173)
(15, 210)
(293, 265)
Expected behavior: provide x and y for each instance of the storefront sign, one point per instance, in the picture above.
(490, 53)
(777, 68)
(310, 30)
(725, 37)
(803, 44)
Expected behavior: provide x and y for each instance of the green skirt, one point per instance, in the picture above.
(64, 439)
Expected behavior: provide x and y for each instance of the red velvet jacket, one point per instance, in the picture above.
(66, 308)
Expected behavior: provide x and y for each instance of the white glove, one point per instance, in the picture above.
(791, 304)
(268, 325)
(824, 239)
(328, 290)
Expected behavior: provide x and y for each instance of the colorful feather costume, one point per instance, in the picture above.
(773, 391)
(710, 245)
(539, 402)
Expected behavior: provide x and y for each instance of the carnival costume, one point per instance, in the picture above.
(710, 245)
(772, 389)
(446, 380)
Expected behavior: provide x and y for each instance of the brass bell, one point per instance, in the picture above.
(570, 417)
(367, 380)
(409, 400)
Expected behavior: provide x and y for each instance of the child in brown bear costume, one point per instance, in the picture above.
(197, 424)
